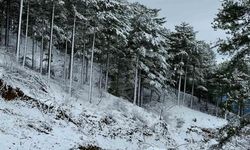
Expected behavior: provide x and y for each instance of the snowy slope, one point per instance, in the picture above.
(52, 119)
(108, 122)
(189, 128)
(240, 141)
(193, 128)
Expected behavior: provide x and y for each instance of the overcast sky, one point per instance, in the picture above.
(198, 13)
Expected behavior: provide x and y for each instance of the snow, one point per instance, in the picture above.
(203, 120)
(16, 117)
(108, 122)
(128, 123)
(239, 142)
(187, 126)
(202, 88)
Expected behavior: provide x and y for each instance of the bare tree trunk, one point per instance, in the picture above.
(87, 69)
(1, 23)
(136, 81)
(100, 81)
(91, 70)
(7, 27)
(142, 95)
(217, 105)
(33, 52)
(72, 56)
(139, 88)
(65, 61)
(69, 67)
(179, 87)
(107, 73)
(51, 40)
(82, 68)
(179, 90)
(26, 35)
(192, 99)
(185, 86)
(117, 79)
(151, 95)
(19, 30)
(41, 57)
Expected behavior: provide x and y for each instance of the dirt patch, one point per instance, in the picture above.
(42, 129)
(9, 93)
(89, 147)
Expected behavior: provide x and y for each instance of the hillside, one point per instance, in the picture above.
(44, 116)
(113, 75)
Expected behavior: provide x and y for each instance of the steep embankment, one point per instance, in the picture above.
(37, 113)
(43, 116)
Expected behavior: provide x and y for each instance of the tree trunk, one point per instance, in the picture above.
(7, 27)
(86, 69)
(142, 95)
(69, 66)
(41, 57)
(51, 40)
(72, 56)
(117, 80)
(91, 70)
(26, 35)
(19, 29)
(65, 61)
(185, 86)
(1, 23)
(179, 87)
(179, 90)
(107, 73)
(199, 97)
(136, 80)
(192, 99)
(82, 62)
(100, 81)
(151, 95)
(139, 88)
(33, 52)
(217, 105)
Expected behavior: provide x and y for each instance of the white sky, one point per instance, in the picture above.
(198, 13)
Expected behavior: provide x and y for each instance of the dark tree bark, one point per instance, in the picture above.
(1, 21)
(82, 63)
(41, 56)
(107, 73)
(33, 53)
(192, 99)
(7, 23)
(87, 69)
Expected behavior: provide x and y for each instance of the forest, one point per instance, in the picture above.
(137, 57)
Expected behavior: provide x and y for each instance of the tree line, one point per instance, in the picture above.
(137, 55)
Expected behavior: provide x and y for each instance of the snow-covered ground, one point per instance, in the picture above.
(108, 122)
(189, 128)
(239, 142)
(52, 119)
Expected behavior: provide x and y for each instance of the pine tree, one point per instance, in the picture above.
(26, 34)
(51, 39)
(19, 30)
(91, 69)
(234, 17)
(72, 56)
